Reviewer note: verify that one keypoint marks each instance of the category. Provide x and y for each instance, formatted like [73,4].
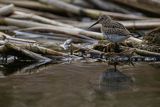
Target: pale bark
[7,10]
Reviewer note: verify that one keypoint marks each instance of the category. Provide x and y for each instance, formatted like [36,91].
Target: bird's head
[101,20]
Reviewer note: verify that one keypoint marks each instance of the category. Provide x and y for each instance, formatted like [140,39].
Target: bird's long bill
[94,24]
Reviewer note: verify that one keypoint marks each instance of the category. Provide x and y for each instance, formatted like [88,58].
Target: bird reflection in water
[114,80]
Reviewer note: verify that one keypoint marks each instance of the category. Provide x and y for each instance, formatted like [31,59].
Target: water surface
[80,85]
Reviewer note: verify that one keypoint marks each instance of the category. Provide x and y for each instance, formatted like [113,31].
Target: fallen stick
[21,15]
[147,53]
[10,39]
[30,5]
[81,3]
[17,51]
[108,6]
[40,13]
[7,10]
[152,6]
[56,36]
[41,50]
[142,24]
[8,28]
[143,52]
[87,50]
[87,12]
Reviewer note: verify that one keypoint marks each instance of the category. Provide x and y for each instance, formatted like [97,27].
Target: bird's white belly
[115,37]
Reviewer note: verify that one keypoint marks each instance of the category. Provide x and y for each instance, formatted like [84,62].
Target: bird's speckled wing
[123,32]
[114,24]
[115,34]
[153,37]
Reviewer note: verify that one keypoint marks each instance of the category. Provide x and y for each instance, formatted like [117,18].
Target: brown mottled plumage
[112,30]
[107,21]
[153,37]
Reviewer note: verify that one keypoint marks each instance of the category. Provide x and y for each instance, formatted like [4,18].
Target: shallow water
[82,85]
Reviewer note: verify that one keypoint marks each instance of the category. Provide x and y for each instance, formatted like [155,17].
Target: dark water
[82,85]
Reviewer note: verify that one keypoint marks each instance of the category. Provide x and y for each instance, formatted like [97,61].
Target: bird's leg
[115,66]
[109,62]
[129,54]
[71,49]
[110,49]
[71,53]
[101,41]
[130,57]
[116,48]
[113,49]
[107,47]
[113,62]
